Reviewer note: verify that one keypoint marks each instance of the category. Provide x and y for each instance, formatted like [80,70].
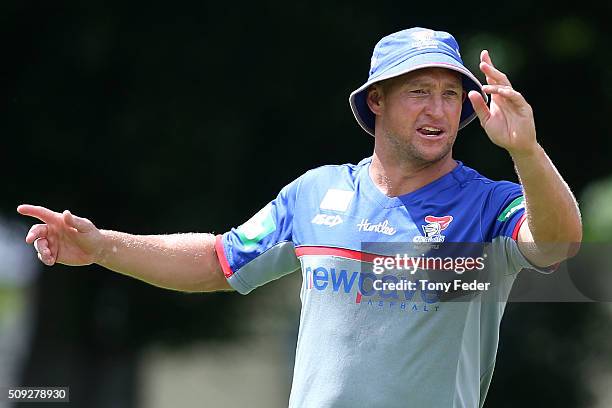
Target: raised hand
[62,238]
[509,121]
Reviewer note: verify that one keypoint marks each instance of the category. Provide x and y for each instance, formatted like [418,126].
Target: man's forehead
[432,73]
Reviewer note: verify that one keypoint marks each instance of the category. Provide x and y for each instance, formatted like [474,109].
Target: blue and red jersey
[360,346]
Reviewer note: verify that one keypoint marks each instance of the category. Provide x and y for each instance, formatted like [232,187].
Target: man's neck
[398,178]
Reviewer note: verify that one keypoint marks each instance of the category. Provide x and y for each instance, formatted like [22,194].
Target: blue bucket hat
[406,51]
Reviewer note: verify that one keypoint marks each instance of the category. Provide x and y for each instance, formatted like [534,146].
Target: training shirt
[363,347]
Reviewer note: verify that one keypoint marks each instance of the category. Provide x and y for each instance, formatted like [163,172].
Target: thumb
[480,107]
[78,223]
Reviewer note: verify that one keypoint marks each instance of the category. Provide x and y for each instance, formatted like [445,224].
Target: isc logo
[325,219]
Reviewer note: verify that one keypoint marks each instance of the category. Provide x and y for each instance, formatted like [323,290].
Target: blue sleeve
[503,212]
[261,249]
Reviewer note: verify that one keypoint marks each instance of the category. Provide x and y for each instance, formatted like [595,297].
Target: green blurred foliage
[596,207]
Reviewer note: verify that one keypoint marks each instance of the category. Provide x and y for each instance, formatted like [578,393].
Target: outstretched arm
[185,262]
[553,230]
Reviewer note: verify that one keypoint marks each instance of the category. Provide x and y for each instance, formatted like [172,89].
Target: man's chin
[430,158]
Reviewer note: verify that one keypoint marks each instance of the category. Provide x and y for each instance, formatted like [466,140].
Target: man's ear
[375,99]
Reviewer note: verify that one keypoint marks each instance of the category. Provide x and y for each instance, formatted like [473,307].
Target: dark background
[164,117]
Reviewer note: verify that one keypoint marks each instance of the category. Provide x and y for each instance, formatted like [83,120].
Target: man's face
[419,112]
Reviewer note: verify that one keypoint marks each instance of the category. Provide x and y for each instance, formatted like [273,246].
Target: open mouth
[430,131]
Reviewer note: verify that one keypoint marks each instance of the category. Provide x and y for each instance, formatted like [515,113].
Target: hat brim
[365,117]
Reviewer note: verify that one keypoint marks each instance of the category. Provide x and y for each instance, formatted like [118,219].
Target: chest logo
[336,200]
[432,231]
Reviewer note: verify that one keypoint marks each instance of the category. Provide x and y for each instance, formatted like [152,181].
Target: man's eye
[417,91]
[451,93]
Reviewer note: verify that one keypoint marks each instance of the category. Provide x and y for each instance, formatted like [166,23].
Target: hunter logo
[513,207]
[259,226]
[433,230]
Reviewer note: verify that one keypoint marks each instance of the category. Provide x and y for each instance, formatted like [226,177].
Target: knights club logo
[432,231]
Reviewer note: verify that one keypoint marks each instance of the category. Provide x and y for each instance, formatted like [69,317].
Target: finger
[78,223]
[480,107]
[44,252]
[41,245]
[507,92]
[485,57]
[37,231]
[42,213]
[46,259]
[494,75]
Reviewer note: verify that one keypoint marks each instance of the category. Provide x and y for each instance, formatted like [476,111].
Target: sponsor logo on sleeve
[513,207]
[258,227]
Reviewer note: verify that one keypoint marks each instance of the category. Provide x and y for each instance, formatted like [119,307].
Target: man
[359,345]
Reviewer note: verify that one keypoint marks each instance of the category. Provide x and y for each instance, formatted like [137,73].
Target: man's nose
[434,106]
